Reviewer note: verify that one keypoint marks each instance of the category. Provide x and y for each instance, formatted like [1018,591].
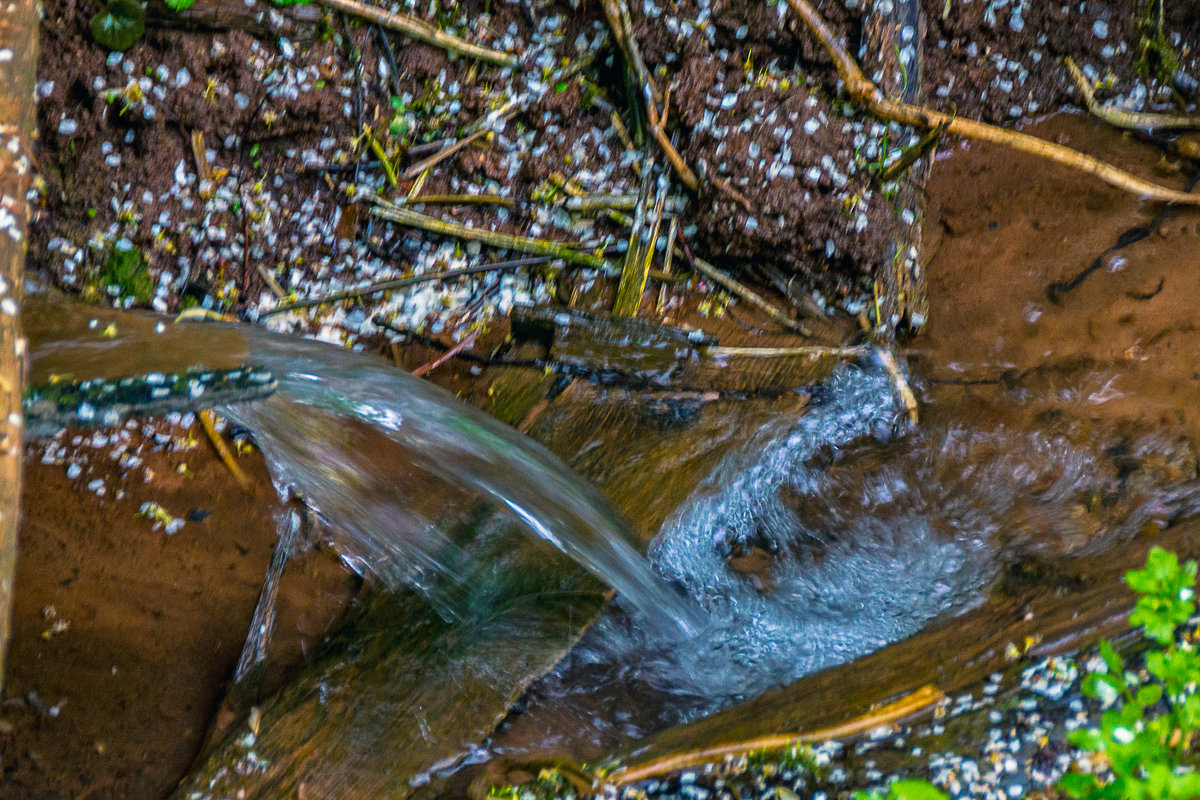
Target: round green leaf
[119,25]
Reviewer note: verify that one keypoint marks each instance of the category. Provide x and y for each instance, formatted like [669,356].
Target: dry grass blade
[863,91]
[907,706]
[422,31]
[641,248]
[1123,118]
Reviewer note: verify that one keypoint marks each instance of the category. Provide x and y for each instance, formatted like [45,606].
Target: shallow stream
[783,536]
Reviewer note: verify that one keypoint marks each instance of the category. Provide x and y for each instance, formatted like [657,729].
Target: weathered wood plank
[18,117]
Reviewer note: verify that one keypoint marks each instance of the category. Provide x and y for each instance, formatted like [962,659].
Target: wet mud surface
[125,636]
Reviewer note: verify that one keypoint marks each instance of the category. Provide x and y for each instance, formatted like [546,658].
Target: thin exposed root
[726,188]
[884,715]
[1122,118]
[863,91]
[617,14]
[422,31]
[243,480]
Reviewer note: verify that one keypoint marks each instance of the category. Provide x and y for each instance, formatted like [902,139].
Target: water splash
[829,535]
[386,458]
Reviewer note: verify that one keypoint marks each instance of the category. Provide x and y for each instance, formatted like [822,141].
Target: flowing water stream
[818,536]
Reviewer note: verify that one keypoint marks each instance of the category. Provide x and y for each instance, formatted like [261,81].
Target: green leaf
[915,790]
[1078,784]
[1087,739]
[1116,664]
[119,24]
[1149,695]
[179,5]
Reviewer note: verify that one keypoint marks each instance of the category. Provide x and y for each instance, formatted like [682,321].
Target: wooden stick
[884,715]
[460,200]
[401,283]
[243,481]
[425,369]
[866,93]
[422,31]
[617,14]
[18,117]
[812,351]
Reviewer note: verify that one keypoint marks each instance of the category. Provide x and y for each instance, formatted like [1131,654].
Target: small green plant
[125,268]
[1152,713]
[1155,59]
[906,790]
[119,24]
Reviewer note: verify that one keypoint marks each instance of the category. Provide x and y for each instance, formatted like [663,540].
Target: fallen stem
[865,92]
[522,244]
[812,351]
[426,368]
[401,283]
[617,14]
[460,200]
[422,31]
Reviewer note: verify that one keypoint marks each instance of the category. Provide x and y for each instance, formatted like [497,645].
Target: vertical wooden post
[18,117]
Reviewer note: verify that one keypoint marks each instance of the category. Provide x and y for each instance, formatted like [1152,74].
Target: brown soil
[118,702]
[751,96]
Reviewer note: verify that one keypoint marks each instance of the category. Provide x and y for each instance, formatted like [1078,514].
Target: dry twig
[206,422]
[422,31]
[522,244]
[617,14]
[746,293]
